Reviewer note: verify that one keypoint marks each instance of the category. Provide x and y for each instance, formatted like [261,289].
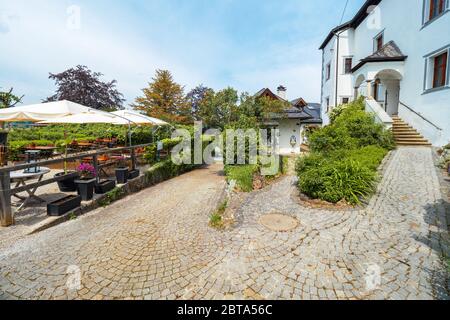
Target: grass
[243,175]
[112,196]
[216,219]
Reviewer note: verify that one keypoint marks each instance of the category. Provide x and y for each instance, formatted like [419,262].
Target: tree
[164,99]
[219,109]
[8,99]
[85,87]
[195,99]
[261,108]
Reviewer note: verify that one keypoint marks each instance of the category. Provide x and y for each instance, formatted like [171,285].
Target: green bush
[345,156]
[166,170]
[243,175]
[352,128]
[337,180]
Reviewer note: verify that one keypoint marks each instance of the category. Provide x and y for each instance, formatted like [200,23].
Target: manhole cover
[278,222]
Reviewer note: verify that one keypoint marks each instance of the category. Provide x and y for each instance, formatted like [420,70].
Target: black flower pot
[122,175]
[64,205]
[85,189]
[104,186]
[133,174]
[68,184]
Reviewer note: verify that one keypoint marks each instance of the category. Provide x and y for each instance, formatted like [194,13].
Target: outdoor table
[20,178]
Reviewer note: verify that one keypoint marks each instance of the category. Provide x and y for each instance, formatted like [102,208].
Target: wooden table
[20,178]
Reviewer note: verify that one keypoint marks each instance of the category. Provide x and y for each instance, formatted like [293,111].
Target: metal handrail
[417,113]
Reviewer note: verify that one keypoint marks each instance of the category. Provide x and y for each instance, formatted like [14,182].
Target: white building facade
[397,54]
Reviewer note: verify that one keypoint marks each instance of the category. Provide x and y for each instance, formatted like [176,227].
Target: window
[379,42]
[328,104]
[348,62]
[436,8]
[433,9]
[440,70]
[328,71]
[345,100]
[437,71]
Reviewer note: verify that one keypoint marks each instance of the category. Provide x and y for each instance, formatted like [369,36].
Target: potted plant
[122,171]
[105,186]
[86,183]
[68,184]
[133,174]
[64,205]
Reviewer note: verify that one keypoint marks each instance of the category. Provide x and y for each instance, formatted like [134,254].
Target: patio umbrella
[139,118]
[92,116]
[42,111]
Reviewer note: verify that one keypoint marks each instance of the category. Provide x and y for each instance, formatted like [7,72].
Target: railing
[421,116]
[6,215]
[381,116]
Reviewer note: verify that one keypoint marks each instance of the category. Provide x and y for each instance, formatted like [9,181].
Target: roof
[389,52]
[299,108]
[353,23]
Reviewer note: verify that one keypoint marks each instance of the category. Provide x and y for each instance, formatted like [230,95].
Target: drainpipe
[337,34]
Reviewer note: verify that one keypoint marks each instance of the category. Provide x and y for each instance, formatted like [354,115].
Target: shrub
[165,170]
[112,196]
[345,156]
[337,180]
[331,138]
[243,175]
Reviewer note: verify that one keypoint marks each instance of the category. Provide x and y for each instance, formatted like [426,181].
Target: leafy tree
[164,99]
[83,86]
[195,99]
[261,108]
[219,109]
[8,99]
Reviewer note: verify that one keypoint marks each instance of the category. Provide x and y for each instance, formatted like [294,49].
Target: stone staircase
[405,135]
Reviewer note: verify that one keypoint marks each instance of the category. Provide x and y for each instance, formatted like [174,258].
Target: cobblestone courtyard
[157,245]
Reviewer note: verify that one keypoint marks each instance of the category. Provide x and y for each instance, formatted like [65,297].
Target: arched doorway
[386,90]
[360,86]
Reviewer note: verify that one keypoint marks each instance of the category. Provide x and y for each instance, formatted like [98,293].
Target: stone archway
[387,90]
[360,86]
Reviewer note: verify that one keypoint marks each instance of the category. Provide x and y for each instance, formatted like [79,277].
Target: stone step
[405,135]
[413,144]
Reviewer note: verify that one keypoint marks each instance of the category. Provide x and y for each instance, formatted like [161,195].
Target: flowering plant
[86,171]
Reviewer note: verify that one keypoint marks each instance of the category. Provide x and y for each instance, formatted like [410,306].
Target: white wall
[289,128]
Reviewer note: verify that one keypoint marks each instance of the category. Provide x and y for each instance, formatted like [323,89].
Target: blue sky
[245,44]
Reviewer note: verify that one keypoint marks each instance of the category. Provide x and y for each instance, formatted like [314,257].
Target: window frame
[427,19]
[328,71]
[376,41]
[345,65]
[429,74]
[437,70]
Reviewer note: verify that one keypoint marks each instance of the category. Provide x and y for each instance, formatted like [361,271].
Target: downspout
[337,67]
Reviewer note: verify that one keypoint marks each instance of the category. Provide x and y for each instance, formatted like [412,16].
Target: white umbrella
[42,111]
[89,117]
[139,118]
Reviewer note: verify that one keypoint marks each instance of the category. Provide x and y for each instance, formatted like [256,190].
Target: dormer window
[378,42]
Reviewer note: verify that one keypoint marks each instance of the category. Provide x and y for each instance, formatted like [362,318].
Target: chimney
[281,92]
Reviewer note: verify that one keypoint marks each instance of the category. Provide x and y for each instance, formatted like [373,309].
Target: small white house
[293,122]
[395,53]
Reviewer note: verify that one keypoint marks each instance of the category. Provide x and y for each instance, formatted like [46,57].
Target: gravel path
[157,245]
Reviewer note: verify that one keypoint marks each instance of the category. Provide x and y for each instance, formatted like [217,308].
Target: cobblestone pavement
[157,245]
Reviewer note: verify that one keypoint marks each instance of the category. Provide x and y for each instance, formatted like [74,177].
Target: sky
[245,44]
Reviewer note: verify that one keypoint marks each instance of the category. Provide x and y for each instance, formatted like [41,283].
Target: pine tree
[164,99]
